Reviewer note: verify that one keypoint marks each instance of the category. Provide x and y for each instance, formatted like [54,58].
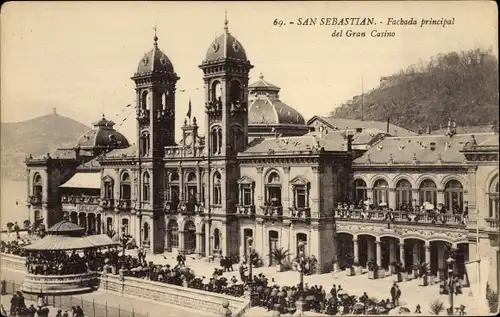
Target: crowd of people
[62,262]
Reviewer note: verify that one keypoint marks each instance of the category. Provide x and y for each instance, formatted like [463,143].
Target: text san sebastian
[308,21]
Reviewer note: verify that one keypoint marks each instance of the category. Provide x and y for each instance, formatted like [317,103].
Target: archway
[146,233]
[92,223]
[366,249]
[247,234]
[82,221]
[301,237]
[216,239]
[414,253]
[389,251]
[203,243]
[172,235]
[345,249]
[73,217]
[189,237]
[273,245]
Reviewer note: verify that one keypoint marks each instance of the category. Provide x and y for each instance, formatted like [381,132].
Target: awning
[62,243]
[84,180]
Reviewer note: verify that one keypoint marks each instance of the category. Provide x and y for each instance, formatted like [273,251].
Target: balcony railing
[123,203]
[491,224]
[107,203]
[34,200]
[302,213]
[272,211]
[401,216]
[81,199]
[248,210]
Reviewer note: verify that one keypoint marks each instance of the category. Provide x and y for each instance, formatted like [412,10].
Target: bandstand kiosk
[55,263]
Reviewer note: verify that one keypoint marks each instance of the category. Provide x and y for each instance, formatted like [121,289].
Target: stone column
[180,170]
[181,241]
[379,252]
[440,196]
[392,199]
[402,252]
[198,184]
[223,188]
[287,201]
[356,249]
[261,196]
[199,241]
[369,194]
[315,190]
[427,253]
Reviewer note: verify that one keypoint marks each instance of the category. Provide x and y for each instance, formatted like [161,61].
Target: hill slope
[462,86]
[37,136]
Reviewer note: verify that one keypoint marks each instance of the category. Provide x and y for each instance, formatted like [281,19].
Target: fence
[66,302]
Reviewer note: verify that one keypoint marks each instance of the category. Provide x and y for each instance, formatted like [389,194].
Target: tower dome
[155,61]
[225,46]
[102,138]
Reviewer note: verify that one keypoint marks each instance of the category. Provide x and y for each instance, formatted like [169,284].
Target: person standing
[398,295]
[393,294]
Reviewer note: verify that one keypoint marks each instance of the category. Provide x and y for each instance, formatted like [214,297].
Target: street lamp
[250,252]
[301,261]
[451,284]
[124,239]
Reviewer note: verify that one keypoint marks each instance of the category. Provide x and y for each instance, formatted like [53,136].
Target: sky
[78,57]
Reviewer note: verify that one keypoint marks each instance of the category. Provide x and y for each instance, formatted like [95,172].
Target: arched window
[145,100]
[108,188]
[216,91]
[403,194]
[191,190]
[37,185]
[173,190]
[164,100]
[428,192]
[360,190]
[217,189]
[453,196]
[144,143]
[216,239]
[146,232]
[273,190]
[235,92]
[381,193]
[145,187]
[216,140]
[493,199]
[125,186]
[173,234]
[235,138]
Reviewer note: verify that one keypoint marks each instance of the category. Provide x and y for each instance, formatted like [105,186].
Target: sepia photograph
[249,158]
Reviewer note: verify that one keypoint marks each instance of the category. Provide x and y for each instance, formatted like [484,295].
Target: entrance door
[247,234]
[273,245]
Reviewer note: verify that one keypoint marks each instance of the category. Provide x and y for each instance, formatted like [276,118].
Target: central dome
[102,137]
[155,61]
[226,46]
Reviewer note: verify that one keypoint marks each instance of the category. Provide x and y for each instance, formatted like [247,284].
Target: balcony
[123,203]
[107,203]
[35,200]
[170,207]
[80,199]
[491,224]
[213,108]
[302,213]
[273,212]
[181,151]
[238,107]
[444,219]
[245,211]
[143,115]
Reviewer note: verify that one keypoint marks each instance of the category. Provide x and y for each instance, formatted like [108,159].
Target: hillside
[37,136]
[461,86]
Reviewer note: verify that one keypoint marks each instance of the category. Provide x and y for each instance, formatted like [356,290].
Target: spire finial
[226,22]
[155,38]
[261,76]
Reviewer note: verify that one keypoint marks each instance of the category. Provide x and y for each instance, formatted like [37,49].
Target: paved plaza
[412,293]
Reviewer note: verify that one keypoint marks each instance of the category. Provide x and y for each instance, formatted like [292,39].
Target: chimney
[428,130]
[54,111]
[388,125]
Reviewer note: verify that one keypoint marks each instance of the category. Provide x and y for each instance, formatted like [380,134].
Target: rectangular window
[217,195]
[109,224]
[247,195]
[125,191]
[108,190]
[301,197]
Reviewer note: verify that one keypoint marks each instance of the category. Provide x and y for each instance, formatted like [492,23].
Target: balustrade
[272,211]
[401,216]
[491,224]
[246,210]
[35,199]
[180,151]
[80,199]
[123,203]
[300,213]
[107,203]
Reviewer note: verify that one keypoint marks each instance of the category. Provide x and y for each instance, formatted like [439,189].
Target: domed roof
[226,46]
[266,107]
[65,227]
[155,61]
[102,136]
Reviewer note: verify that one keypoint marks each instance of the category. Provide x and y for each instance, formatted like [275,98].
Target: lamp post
[301,263]
[451,284]
[124,240]
[250,252]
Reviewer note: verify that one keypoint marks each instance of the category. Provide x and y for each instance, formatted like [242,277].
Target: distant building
[209,194]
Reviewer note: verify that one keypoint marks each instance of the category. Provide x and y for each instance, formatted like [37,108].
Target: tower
[225,74]
[155,81]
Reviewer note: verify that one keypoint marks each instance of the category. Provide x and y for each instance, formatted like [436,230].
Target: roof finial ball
[261,77]
[155,38]
[226,22]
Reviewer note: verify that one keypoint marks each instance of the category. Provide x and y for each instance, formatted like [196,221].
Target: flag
[188,114]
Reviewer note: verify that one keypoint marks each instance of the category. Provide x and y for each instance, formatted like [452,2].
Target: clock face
[189,140]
